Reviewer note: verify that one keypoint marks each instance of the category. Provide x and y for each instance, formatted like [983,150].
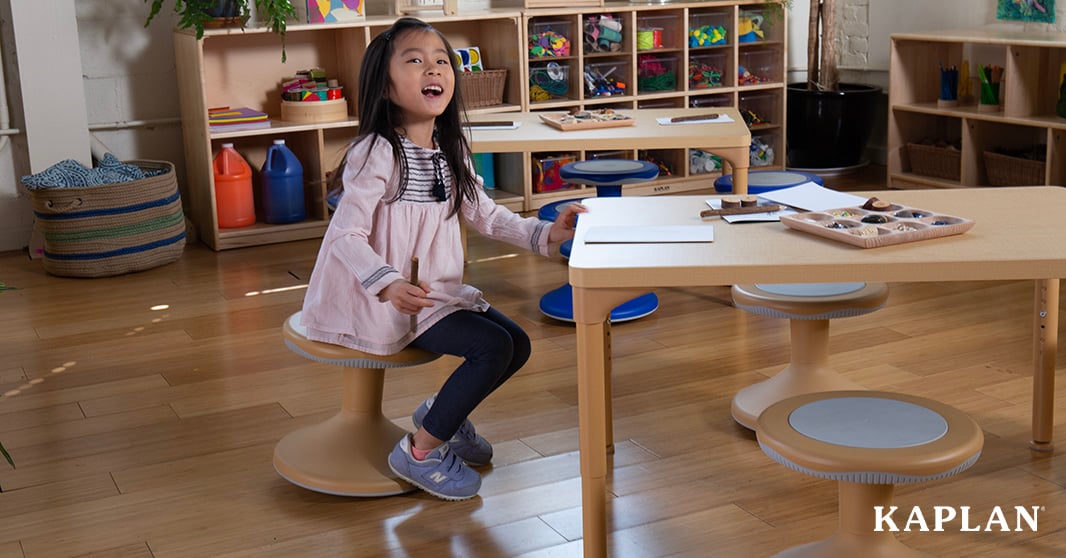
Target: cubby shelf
[1025,117]
[231,67]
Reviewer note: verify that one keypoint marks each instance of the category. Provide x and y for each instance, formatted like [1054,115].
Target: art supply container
[282,186]
[234,201]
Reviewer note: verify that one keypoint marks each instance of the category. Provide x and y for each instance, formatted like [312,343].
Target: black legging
[494,348]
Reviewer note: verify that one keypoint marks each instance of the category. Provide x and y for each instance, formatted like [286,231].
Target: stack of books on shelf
[227,119]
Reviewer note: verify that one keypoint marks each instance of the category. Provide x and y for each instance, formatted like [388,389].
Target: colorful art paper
[334,11]
[1026,10]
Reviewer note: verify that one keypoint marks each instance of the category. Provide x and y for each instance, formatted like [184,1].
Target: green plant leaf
[7,456]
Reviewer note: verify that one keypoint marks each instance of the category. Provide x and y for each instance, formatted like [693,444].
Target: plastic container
[657,32]
[282,186]
[710,28]
[707,71]
[549,81]
[549,38]
[606,79]
[656,74]
[234,201]
[546,171]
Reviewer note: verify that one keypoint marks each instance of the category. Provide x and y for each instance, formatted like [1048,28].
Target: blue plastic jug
[282,186]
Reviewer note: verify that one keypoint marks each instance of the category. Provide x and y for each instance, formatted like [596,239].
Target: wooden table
[1019,234]
[730,140]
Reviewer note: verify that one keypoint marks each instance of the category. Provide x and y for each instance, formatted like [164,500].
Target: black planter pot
[829,129]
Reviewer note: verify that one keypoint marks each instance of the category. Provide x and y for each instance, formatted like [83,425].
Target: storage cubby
[233,67]
[1024,118]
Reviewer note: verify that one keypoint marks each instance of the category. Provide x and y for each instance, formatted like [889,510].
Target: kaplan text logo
[948,516]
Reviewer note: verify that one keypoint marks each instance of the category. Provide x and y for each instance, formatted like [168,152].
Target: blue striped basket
[111,229]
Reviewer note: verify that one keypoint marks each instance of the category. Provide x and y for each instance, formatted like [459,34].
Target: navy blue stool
[767,180]
[608,176]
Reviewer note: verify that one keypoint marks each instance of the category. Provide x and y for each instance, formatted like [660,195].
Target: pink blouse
[370,243]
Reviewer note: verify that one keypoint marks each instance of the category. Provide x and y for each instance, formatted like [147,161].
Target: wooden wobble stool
[808,307]
[347,454]
[868,441]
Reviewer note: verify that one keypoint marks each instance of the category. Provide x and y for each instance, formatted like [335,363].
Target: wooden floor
[142,411]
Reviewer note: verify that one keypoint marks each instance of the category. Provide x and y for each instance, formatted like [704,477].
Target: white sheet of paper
[716,203]
[665,121]
[649,234]
[513,126]
[812,197]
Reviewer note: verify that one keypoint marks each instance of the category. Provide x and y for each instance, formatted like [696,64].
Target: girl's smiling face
[421,79]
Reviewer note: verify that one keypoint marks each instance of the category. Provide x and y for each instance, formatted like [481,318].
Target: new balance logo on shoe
[438,477]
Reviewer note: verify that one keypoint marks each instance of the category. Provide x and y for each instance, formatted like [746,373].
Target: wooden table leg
[592,308]
[739,158]
[1045,345]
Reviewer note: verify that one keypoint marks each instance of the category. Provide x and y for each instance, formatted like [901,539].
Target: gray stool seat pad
[868,422]
[811,289]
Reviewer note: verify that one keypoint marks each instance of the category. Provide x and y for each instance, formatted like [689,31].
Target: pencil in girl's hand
[414,271]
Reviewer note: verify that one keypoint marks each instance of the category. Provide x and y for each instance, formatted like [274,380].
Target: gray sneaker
[441,473]
[466,443]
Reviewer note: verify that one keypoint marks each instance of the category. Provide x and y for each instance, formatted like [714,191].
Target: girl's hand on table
[563,228]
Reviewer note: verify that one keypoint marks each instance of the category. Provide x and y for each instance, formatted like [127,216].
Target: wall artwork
[1026,10]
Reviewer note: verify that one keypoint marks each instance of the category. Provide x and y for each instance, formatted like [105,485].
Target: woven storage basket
[937,162]
[1004,170]
[484,88]
[99,231]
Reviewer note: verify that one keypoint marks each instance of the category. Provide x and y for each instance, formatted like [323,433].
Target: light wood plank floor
[142,411]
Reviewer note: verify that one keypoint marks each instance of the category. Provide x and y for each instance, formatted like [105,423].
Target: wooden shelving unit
[230,67]
[1026,116]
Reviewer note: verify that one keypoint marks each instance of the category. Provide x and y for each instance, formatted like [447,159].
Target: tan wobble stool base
[808,307]
[346,455]
[868,441]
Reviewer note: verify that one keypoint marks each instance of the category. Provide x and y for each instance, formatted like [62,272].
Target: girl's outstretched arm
[563,227]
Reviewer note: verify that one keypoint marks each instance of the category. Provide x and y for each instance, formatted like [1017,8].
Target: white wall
[130,92]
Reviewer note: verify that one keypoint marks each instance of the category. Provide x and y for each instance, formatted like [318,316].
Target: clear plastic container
[549,38]
[758,66]
[546,168]
[710,28]
[707,71]
[656,74]
[549,81]
[657,32]
[760,110]
[606,79]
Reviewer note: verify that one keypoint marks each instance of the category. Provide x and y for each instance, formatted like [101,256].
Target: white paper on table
[665,121]
[648,234]
[716,203]
[475,126]
[812,197]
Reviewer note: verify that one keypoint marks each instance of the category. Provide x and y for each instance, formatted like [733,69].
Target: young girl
[407,180]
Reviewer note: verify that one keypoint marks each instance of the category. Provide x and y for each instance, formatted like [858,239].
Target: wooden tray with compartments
[867,227]
[587,119]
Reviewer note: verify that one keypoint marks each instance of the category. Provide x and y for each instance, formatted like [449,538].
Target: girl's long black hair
[378,115]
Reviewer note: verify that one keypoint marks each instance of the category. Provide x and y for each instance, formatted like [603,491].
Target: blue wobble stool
[608,176]
[767,180]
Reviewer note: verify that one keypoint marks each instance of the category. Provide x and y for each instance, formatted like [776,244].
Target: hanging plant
[200,14]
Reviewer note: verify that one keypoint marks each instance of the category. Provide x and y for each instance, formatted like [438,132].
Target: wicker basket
[484,88]
[937,162]
[111,229]
[1004,170]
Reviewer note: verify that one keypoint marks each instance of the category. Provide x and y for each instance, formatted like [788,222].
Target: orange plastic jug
[234,201]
